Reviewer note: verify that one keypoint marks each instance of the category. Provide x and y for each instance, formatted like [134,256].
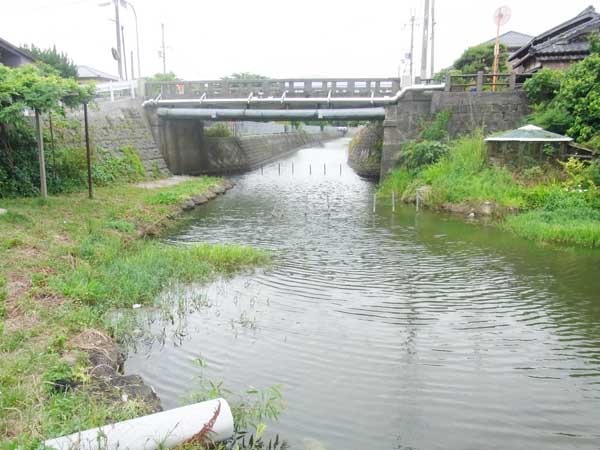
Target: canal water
[384,330]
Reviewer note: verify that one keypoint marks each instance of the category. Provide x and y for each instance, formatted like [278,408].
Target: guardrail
[480,81]
[117,89]
[272,88]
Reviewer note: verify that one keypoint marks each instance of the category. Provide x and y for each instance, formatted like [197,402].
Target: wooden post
[448,84]
[479,81]
[512,80]
[42,159]
[88,153]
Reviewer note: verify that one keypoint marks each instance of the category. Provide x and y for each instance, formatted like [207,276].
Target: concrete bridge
[177,110]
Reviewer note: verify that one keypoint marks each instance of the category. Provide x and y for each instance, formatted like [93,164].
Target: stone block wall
[364,152]
[491,111]
[114,125]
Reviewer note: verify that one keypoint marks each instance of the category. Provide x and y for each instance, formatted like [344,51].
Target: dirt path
[166,182]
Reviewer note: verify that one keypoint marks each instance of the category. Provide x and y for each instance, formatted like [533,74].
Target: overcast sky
[209,39]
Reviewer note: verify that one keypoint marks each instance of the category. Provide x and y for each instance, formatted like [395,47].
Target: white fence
[117,90]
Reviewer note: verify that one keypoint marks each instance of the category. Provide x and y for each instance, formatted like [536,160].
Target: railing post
[112,93]
[479,81]
[132,88]
[513,81]
[448,83]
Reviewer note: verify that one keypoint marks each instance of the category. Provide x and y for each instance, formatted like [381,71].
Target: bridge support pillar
[181,143]
[402,123]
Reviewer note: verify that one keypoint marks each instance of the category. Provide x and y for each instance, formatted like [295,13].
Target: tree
[65,67]
[245,76]
[481,58]
[169,76]
[23,88]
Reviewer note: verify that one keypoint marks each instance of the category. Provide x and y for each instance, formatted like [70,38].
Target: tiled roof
[90,72]
[14,49]
[512,39]
[579,24]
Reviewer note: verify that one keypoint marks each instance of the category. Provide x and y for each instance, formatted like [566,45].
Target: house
[12,56]
[512,40]
[87,74]
[558,47]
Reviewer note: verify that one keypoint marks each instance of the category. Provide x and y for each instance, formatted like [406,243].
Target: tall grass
[139,273]
[553,211]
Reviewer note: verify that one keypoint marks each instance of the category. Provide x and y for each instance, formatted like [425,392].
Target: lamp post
[125,4]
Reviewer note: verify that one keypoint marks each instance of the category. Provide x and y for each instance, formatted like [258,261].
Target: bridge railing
[481,81]
[276,88]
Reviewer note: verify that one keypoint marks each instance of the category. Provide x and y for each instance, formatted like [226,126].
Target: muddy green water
[385,331]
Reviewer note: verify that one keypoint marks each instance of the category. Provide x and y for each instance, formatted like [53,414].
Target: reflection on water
[385,330]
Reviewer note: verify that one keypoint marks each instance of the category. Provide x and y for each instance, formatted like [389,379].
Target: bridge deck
[274,88]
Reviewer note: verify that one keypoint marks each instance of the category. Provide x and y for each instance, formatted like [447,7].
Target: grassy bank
[66,262]
[558,204]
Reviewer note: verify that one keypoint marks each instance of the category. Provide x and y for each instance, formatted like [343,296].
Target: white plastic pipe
[167,428]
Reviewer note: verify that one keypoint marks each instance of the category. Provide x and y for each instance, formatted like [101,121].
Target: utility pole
[124,57]
[412,47]
[432,38]
[118,26]
[164,54]
[425,41]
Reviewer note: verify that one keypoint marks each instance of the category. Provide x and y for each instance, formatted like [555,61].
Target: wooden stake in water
[374,202]
[393,201]
[324,169]
[417,198]
[279,168]
[292,168]
[310,169]
[340,168]
[261,170]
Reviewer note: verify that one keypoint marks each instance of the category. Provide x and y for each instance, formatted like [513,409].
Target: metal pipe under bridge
[353,105]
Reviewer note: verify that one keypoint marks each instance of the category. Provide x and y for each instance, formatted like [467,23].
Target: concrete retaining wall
[240,154]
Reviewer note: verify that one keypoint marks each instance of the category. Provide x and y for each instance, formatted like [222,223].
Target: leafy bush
[544,85]
[418,154]
[481,58]
[217,130]
[437,130]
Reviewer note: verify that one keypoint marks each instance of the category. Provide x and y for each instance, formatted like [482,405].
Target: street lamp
[124,4]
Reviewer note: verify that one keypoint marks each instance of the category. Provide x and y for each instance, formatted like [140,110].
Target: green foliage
[28,87]
[169,76]
[217,130]
[594,40]
[481,58]
[116,277]
[67,170]
[418,154]
[437,129]
[575,108]
[544,85]
[61,62]
[245,76]
[180,192]
[569,225]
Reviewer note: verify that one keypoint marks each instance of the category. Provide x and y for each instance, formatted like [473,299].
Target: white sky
[328,38]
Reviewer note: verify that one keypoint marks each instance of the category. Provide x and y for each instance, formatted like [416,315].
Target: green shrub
[419,154]
[544,85]
[437,130]
[217,130]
